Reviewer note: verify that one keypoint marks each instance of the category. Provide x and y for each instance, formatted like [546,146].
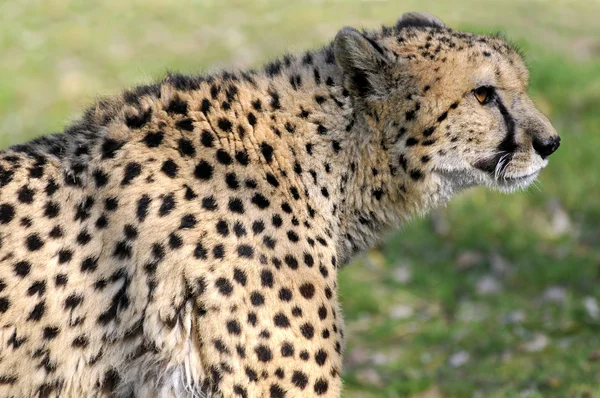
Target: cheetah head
[450,105]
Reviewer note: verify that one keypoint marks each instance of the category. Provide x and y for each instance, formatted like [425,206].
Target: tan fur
[184,239]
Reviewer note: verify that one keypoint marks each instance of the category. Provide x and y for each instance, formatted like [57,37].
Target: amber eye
[484,94]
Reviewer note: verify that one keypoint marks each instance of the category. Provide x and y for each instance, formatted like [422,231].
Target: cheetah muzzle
[184,238]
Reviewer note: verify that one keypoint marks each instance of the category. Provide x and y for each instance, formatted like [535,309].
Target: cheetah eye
[484,94]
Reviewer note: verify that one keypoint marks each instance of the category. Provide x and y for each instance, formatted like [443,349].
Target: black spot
[122,250]
[61,280]
[139,120]
[22,268]
[111,380]
[281,321]
[90,264]
[320,357]
[51,209]
[223,157]
[416,175]
[285,294]
[233,327]
[200,252]
[251,119]
[263,353]
[203,170]
[378,193]
[307,290]
[240,276]
[275,104]
[307,330]
[286,208]
[219,251]
[222,228]
[231,180]
[242,157]
[209,203]
[38,312]
[205,106]
[4,306]
[51,188]
[322,312]
[267,151]
[142,207]
[291,261]
[235,205]
[272,180]
[50,332]
[175,241]
[207,138]
[186,147]
[188,221]
[260,201]
[442,117]
[429,131]
[7,213]
[245,251]
[273,68]
[153,139]
[167,205]
[224,124]
[336,146]
[308,260]
[299,379]
[238,229]
[266,278]
[132,170]
[252,376]
[177,105]
[170,168]
[257,299]
[321,386]
[186,124]
[34,242]
[64,256]
[224,286]
[25,195]
[411,141]
[189,193]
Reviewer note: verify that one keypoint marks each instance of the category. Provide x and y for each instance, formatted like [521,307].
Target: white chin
[512,184]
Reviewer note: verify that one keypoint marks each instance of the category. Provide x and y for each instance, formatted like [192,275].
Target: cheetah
[183,238]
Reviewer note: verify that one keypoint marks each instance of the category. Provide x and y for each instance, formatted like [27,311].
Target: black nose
[546,147]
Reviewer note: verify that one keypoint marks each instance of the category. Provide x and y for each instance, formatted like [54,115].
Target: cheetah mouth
[518,179]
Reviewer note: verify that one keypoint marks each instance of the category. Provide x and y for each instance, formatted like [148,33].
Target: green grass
[491,297]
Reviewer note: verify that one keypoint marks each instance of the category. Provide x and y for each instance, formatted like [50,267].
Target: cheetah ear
[362,61]
[419,19]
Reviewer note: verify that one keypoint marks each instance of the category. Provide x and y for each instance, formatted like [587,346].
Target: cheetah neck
[352,177]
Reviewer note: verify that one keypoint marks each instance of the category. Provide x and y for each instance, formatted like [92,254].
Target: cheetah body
[184,238]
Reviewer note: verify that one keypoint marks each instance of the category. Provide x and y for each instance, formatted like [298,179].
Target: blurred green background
[493,296]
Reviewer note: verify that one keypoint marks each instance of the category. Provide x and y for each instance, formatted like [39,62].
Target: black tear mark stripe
[508,144]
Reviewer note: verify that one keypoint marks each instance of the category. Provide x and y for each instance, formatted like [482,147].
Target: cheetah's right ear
[362,61]
[419,19]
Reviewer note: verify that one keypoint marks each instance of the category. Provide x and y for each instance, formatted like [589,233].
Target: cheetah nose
[546,147]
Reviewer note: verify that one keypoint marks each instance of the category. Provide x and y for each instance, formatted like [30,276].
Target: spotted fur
[184,238]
